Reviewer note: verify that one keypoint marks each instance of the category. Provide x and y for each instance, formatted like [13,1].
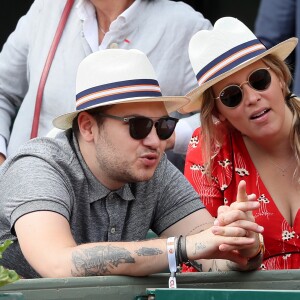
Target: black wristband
[183,252]
[179,261]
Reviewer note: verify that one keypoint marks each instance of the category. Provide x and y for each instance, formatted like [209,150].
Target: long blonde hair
[212,138]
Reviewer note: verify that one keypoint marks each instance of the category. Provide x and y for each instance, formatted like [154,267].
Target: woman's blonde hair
[212,135]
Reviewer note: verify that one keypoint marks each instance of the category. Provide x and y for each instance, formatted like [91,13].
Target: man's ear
[87,125]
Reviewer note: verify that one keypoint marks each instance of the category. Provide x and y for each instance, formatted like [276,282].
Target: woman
[250,131]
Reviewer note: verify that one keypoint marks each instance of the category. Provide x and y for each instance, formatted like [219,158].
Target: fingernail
[216,222]
[260,228]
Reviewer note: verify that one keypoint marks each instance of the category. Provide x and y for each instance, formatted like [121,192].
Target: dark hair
[93,112]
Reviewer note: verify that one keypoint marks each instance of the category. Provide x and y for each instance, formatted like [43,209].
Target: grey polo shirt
[50,174]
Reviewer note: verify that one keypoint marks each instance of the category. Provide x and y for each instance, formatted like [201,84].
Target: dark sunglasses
[140,127]
[232,95]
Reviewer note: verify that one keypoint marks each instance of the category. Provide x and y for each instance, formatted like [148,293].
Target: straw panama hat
[227,48]
[116,76]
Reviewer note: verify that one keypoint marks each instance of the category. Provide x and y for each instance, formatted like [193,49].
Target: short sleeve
[32,184]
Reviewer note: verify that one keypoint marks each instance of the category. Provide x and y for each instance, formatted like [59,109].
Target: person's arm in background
[184,131]
[181,137]
[2,149]
[275,21]
[188,123]
[13,69]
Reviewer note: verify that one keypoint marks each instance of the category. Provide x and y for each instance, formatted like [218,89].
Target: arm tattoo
[148,251]
[232,266]
[198,247]
[214,267]
[98,260]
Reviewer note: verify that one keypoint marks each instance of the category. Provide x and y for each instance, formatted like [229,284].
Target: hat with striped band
[227,48]
[116,76]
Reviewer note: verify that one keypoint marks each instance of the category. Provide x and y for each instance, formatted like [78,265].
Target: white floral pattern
[194,142]
[286,235]
[262,198]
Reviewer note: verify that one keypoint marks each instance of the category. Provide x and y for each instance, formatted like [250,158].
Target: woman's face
[260,114]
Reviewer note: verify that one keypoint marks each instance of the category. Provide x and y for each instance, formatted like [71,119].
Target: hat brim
[172,103]
[281,50]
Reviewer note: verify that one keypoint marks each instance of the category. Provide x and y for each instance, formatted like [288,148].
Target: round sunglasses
[140,127]
[232,95]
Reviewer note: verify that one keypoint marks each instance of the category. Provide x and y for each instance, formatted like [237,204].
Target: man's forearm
[126,258]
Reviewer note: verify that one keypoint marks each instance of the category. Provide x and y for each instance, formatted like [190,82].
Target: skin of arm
[2,159]
[61,256]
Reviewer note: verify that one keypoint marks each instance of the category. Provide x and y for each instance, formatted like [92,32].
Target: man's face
[121,158]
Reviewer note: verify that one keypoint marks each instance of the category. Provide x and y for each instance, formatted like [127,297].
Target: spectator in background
[161,29]
[277,21]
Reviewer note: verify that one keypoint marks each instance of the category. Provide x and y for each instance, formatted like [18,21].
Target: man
[81,203]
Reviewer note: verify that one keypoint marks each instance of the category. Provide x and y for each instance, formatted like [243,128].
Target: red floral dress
[232,164]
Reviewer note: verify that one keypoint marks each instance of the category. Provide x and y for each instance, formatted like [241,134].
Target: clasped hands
[234,235]
[237,221]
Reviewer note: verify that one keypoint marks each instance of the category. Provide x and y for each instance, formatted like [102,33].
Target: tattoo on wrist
[199,247]
[99,260]
[148,251]
[232,266]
